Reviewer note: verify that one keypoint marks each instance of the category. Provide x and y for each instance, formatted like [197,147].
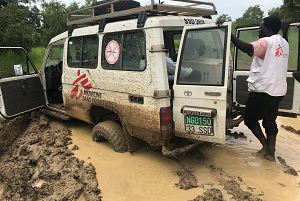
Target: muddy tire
[113,133]
[122,5]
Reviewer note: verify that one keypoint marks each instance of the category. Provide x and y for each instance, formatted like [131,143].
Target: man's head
[269,26]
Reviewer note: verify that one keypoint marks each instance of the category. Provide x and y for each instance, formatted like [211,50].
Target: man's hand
[285,25]
[219,22]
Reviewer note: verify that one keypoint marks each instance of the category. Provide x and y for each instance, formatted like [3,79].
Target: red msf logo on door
[74,92]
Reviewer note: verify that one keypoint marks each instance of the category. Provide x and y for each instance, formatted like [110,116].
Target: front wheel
[113,133]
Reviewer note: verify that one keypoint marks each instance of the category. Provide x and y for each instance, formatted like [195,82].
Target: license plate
[199,125]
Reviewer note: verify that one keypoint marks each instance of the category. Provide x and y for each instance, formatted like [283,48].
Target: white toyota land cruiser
[111,72]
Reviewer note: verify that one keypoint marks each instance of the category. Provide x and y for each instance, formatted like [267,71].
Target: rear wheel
[113,133]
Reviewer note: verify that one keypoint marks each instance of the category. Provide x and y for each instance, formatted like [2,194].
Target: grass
[37,56]
[16,56]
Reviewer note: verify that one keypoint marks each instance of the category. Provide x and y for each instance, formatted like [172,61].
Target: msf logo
[80,80]
[279,51]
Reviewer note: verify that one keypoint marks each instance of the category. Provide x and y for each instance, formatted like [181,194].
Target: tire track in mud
[39,166]
[231,184]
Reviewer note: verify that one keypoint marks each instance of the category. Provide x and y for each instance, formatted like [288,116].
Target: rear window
[203,57]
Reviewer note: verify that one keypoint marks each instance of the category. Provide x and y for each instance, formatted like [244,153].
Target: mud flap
[134,144]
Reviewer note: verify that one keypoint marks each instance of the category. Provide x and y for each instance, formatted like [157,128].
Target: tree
[15,29]
[291,10]
[88,3]
[275,12]
[33,13]
[225,17]
[54,18]
[253,15]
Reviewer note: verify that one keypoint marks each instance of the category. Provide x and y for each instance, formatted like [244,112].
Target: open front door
[201,78]
[289,106]
[20,84]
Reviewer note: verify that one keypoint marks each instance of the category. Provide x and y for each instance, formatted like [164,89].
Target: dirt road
[233,168]
[39,165]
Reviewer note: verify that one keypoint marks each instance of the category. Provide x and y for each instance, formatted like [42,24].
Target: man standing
[267,80]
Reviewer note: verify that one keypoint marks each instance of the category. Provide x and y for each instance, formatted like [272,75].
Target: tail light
[166,121]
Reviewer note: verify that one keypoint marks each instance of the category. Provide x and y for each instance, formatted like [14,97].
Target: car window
[202,59]
[55,55]
[83,52]
[124,51]
[243,61]
[14,62]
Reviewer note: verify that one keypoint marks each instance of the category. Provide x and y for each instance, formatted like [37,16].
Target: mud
[236,135]
[232,186]
[291,129]
[39,166]
[11,129]
[187,179]
[288,169]
[213,194]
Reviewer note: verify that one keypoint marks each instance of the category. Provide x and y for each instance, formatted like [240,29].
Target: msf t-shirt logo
[279,51]
[84,82]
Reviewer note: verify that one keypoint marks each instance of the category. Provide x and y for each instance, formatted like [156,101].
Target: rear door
[20,83]
[289,106]
[201,79]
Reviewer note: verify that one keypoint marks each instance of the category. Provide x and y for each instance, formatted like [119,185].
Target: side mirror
[18,69]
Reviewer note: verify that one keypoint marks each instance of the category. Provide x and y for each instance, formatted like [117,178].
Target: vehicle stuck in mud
[112,73]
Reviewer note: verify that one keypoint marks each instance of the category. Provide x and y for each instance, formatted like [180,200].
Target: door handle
[23,90]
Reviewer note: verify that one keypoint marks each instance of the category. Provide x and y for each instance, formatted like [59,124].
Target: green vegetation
[37,56]
[17,56]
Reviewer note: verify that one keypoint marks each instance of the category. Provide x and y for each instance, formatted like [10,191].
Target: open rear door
[200,87]
[289,106]
[20,83]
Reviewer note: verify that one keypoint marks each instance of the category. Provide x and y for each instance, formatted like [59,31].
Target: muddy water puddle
[147,175]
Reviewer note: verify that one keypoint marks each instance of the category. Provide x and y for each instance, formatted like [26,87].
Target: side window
[55,55]
[124,51]
[202,60]
[244,61]
[293,38]
[14,62]
[83,52]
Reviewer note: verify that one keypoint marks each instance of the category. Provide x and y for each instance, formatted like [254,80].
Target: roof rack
[189,9]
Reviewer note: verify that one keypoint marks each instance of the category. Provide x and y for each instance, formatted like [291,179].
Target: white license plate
[199,125]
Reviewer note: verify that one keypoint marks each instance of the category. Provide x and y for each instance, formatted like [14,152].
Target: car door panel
[200,98]
[242,62]
[20,91]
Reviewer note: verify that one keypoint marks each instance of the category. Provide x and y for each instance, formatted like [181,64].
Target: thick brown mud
[211,172]
[291,129]
[38,165]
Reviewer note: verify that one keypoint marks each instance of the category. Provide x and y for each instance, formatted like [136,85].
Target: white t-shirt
[268,71]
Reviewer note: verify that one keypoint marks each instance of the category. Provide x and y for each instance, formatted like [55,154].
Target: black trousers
[262,106]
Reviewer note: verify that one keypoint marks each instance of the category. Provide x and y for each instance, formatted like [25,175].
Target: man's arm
[243,46]
[285,24]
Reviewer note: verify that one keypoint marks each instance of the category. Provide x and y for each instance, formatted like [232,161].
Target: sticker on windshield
[112,52]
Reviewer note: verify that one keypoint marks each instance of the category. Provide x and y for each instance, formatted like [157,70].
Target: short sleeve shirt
[260,48]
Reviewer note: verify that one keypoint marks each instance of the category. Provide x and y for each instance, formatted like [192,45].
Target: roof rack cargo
[190,9]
